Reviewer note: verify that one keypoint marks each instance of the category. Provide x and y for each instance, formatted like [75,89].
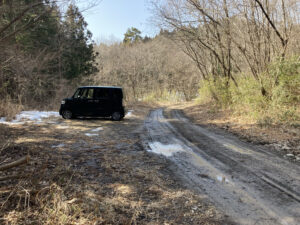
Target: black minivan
[94,101]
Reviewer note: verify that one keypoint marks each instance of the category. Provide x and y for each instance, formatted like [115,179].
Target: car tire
[116,116]
[67,114]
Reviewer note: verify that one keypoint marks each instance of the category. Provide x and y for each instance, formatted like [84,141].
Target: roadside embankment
[283,138]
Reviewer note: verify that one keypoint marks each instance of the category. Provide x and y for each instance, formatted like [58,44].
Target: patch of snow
[290,155]
[58,146]
[90,135]
[222,179]
[35,115]
[97,129]
[129,113]
[26,116]
[166,150]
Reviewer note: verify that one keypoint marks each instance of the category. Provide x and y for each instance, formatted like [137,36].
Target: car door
[102,101]
[87,102]
[77,106]
[83,102]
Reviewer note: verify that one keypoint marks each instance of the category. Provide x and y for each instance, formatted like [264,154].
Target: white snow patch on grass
[166,150]
[90,135]
[97,129]
[28,116]
[129,113]
[35,115]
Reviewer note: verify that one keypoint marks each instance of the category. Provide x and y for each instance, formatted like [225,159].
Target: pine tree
[78,55]
[132,35]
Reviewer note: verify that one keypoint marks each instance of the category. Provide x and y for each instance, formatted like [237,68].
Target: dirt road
[250,184]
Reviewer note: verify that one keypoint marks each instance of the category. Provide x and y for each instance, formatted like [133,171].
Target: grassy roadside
[105,179]
[282,137]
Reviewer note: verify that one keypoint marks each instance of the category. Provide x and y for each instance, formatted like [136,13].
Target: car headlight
[63,102]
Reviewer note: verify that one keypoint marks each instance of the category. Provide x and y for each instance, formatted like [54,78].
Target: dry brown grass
[105,180]
[9,109]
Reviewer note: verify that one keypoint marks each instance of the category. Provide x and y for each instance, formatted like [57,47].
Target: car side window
[84,93]
[87,93]
[101,93]
[90,94]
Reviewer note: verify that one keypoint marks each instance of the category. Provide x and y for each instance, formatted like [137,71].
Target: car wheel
[116,116]
[67,114]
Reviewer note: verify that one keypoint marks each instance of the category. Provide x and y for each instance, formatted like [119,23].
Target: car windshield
[76,94]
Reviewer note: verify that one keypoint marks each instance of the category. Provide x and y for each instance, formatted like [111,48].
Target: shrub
[286,76]
[281,104]
[9,109]
[217,90]
[164,96]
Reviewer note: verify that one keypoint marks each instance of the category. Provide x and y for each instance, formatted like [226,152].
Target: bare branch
[283,41]
[19,162]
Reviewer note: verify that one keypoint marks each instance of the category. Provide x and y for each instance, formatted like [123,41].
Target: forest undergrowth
[280,104]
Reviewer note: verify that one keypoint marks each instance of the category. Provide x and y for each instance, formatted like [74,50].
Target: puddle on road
[90,134]
[222,179]
[166,150]
[58,146]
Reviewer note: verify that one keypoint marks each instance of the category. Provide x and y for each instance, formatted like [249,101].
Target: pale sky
[111,18]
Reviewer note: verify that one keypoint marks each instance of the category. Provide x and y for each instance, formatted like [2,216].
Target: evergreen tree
[43,33]
[132,35]
[78,55]
[39,47]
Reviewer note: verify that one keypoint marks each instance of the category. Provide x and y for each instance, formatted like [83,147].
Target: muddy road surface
[250,184]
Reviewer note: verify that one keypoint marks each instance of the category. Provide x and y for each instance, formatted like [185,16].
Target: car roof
[100,87]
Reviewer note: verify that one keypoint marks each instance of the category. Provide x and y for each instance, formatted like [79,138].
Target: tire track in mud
[259,162]
[249,184]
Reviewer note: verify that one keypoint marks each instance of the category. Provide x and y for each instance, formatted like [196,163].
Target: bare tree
[151,68]
[225,37]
